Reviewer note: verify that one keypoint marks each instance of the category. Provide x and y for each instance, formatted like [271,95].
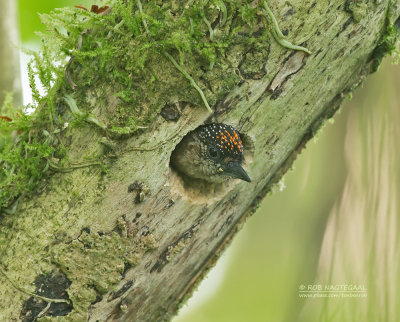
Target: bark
[131,245]
[10,80]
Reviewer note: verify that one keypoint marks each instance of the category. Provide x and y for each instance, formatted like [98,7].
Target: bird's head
[221,153]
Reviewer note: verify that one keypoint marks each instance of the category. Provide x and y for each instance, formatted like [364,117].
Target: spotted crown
[223,137]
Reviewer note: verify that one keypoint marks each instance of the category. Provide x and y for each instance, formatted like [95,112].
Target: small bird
[212,152]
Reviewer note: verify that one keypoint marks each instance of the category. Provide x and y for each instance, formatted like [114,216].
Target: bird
[212,152]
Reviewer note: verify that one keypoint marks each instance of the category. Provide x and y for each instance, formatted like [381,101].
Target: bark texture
[132,244]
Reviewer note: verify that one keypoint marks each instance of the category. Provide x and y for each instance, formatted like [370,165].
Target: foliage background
[284,245]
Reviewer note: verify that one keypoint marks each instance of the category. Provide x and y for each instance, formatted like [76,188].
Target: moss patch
[109,64]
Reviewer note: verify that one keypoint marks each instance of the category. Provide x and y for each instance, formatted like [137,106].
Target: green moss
[118,70]
[24,149]
[124,48]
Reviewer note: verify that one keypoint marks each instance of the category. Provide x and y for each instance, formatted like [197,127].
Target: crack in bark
[175,247]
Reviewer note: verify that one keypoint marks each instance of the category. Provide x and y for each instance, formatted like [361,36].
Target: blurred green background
[29,15]
[335,222]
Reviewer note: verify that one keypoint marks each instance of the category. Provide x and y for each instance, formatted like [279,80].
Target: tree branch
[133,242]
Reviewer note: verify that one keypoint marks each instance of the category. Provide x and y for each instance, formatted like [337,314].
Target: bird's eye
[213,153]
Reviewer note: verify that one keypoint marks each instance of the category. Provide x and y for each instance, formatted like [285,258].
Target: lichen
[94,263]
[357,9]
[388,44]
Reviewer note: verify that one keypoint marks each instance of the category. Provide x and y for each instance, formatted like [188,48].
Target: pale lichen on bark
[130,258]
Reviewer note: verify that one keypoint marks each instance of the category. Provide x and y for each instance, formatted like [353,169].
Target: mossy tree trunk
[131,244]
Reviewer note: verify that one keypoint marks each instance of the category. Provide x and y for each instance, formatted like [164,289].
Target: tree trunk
[10,80]
[132,244]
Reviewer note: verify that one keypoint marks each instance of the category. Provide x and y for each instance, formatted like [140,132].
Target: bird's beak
[234,169]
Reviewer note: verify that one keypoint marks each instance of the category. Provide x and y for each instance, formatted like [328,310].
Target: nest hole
[200,191]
